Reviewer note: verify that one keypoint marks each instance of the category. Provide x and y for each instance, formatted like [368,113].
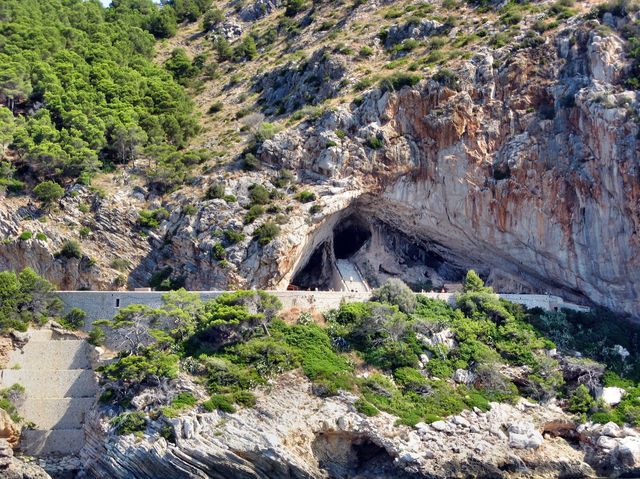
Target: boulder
[627,453]
[464,376]
[441,426]
[610,395]
[9,430]
[13,468]
[524,435]
[606,442]
[611,429]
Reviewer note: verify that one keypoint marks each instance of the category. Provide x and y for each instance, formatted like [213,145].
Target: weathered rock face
[524,166]
[111,235]
[258,9]
[13,468]
[526,170]
[9,431]
[293,86]
[293,434]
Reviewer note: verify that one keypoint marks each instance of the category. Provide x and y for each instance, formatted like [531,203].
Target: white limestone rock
[524,435]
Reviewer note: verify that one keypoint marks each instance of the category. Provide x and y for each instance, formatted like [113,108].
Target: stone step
[56,413]
[35,442]
[43,383]
[63,354]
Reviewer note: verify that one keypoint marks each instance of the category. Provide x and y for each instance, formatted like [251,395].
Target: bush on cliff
[129,423]
[26,298]
[150,367]
[234,343]
[395,291]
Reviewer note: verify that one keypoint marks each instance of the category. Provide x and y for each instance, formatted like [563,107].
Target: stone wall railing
[105,304]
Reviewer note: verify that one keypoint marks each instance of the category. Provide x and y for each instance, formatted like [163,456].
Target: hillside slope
[444,135]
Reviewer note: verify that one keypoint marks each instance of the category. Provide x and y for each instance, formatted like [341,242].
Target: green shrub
[218,252]
[233,237]
[25,235]
[41,236]
[74,319]
[397,81]
[129,423]
[411,379]
[259,194]
[395,291]
[215,191]
[212,17]
[244,398]
[84,232]
[135,369]
[293,7]
[48,192]
[603,417]
[511,18]
[164,280]
[580,400]
[306,196]
[189,210]
[319,360]
[474,284]
[366,408]
[183,400]
[151,218]
[366,51]
[266,232]
[215,107]
[97,336]
[375,143]
[120,264]
[440,368]
[246,49]
[9,397]
[254,212]
[70,249]
[219,402]
[447,78]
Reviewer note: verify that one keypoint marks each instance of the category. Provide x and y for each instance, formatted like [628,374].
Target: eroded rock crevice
[345,455]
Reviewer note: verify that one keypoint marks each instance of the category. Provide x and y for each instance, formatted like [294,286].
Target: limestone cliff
[292,433]
[524,167]
[520,161]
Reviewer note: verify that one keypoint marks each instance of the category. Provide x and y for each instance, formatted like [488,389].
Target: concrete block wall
[105,304]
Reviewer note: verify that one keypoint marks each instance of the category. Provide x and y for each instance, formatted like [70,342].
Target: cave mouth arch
[350,235]
[347,236]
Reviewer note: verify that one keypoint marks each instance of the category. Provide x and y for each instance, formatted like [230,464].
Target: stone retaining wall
[105,304]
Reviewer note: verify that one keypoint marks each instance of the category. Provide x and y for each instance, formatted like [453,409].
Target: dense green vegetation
[25,298]
[413,345]
[81,92]
[9,397]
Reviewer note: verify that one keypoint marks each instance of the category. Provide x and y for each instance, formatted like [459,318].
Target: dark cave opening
[317,272]
[368,452]
[351,456]
[349,236]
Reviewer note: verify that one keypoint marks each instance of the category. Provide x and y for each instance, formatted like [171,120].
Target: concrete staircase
[60,389]
[351,277]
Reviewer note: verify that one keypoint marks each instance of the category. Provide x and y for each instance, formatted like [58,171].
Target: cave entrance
[318,272]
[349,236]
[346,238]
[352,456]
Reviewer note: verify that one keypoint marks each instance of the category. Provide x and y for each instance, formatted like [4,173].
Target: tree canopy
[82,89]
